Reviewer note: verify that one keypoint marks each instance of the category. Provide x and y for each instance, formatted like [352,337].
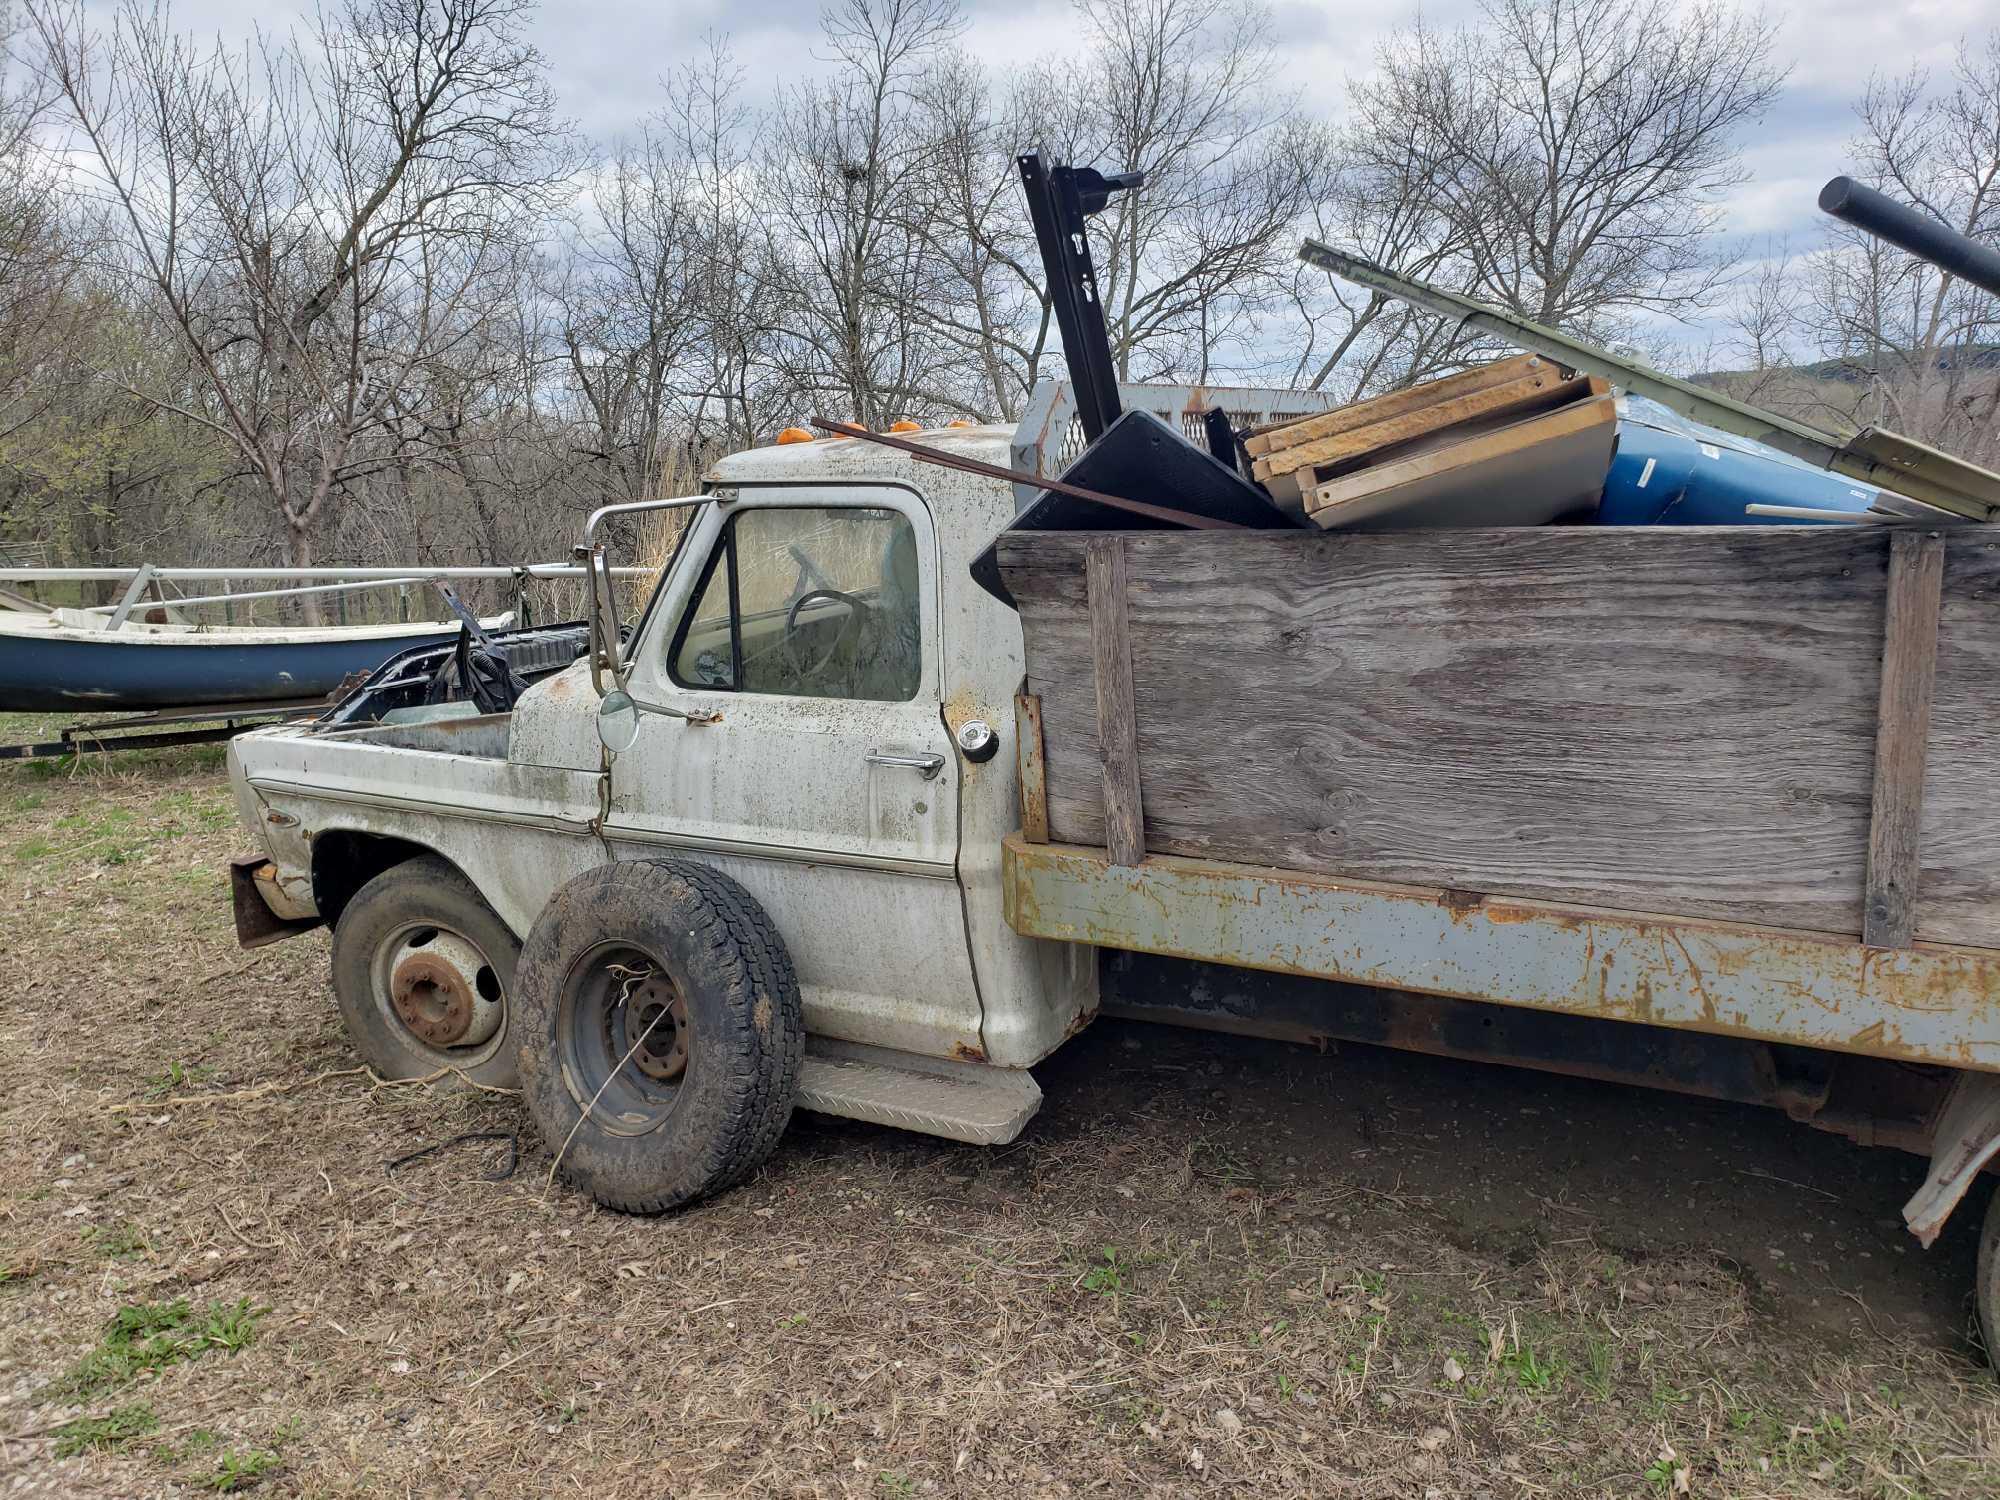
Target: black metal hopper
[1139,458]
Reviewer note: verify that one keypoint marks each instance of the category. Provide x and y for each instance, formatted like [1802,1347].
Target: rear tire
[423,971]
[660,1033]
[1986,1282]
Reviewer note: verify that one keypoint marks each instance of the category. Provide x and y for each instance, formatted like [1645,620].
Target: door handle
[928,765]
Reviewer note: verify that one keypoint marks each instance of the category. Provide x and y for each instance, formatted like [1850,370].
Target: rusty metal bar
[1192,520]
[1926,1003]
[1031,768]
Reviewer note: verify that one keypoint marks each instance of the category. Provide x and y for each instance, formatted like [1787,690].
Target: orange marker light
[958,422]
[795,435]
[906,425]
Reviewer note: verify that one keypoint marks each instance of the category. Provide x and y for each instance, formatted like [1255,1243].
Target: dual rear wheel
[651,1020]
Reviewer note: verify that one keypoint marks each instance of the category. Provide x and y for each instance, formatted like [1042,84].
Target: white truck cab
[820,716]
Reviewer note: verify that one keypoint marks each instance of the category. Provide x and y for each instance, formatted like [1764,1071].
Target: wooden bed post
[1117,715]
[1902,736]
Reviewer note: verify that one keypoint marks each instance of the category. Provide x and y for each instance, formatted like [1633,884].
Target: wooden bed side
[1681,722]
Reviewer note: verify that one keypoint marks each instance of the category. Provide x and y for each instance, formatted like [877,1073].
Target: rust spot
[1503,915]
[959,707]
[1459,903]
[961,1052]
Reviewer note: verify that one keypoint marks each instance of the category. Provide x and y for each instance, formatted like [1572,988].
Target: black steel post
[1906,229]
[1059,200]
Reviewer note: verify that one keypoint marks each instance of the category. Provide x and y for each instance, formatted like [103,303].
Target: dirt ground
[1210,1265]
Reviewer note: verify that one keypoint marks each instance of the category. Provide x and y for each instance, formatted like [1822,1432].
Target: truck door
[807,620]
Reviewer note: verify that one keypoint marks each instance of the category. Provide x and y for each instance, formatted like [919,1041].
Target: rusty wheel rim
[654,1027]
[438,989]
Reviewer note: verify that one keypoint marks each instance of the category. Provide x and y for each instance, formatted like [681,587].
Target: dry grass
[1209,1267]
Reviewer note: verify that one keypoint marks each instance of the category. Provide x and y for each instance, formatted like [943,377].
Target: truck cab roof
[847,460]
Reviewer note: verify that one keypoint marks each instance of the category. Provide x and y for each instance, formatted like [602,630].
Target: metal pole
[320,588]
[1906,229]
[296,575]
[133,590]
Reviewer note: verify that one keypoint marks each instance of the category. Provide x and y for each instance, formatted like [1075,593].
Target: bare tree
[629,312]
[714,134]
[966,213]
[1908,345]
[1580,149]
[840,159]
[315,220]
[1181,89]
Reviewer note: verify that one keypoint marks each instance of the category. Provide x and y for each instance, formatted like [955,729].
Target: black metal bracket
[1060,198]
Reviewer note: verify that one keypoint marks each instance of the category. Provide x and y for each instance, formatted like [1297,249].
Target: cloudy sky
[609,55]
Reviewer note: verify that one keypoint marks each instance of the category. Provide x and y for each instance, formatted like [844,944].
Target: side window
[812,602]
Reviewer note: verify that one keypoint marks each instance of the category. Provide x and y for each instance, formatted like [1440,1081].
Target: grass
[117,1242]
[1105,1276]
[177,1076]
[112,1430]
[146,1338]
[238,1470]
[1193,1226]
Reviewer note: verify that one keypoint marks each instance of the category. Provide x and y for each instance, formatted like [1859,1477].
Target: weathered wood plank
[1490,407]
[1028,765]
[1395,403]
[1524,474]
[1117,717]
[1960,845]
[1902,735]
[1670,721]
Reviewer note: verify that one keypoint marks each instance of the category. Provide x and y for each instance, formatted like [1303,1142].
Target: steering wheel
[858,611]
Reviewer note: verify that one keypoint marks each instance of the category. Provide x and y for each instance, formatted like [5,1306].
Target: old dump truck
[834,828]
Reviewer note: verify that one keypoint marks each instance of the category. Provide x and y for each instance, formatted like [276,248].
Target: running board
[971,1102]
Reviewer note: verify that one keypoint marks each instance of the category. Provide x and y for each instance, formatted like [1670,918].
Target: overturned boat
[151,656]
[75,661]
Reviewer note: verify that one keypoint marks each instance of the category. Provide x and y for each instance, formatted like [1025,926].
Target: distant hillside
[1848,372]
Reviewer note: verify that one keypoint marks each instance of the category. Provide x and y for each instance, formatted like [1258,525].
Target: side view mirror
[617,721]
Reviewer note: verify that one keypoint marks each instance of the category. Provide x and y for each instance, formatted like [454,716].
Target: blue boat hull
[1670,471]
[67,674]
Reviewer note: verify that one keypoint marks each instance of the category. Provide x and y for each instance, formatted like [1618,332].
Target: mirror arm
[603,648]
[602,610]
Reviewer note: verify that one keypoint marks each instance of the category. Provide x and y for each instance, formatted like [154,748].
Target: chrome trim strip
[555,823]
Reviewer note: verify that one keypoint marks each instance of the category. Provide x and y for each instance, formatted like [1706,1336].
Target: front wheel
[660,1033]
[422,971]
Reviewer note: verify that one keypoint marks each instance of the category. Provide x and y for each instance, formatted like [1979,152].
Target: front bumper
[264,914]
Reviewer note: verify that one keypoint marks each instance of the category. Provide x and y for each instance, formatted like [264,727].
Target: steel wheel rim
[624,1039]
[437,990]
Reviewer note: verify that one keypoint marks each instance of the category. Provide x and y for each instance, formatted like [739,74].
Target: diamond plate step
[969,1102]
